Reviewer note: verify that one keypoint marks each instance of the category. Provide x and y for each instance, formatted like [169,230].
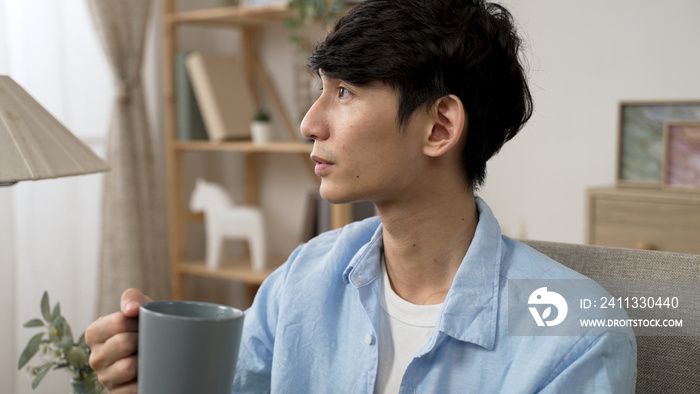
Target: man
[417,96]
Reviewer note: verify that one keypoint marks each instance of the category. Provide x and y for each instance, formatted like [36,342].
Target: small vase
[82,387]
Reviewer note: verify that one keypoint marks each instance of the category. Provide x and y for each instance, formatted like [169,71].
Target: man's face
[359,149]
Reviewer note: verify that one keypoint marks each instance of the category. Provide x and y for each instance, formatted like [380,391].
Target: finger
[131,301]
[121,375]
[108,326]
[127,388]
[118,347]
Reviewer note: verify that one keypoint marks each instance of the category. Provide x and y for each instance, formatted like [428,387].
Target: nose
[314,124]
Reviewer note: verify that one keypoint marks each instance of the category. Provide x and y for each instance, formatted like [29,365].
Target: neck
[425,240]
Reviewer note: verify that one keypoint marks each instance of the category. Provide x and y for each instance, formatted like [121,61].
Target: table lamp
[35,145]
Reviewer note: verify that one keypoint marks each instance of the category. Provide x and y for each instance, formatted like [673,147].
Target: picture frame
[681,165]
[640,138]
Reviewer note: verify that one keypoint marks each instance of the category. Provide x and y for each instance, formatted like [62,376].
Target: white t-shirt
[404,328]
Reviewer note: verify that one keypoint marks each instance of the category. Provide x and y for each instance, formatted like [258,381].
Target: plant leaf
[56,311]
[59,326]
[60,333]
[53,338]
[82,344]
[45,307]
[30,350]
[34,323]
[67,339]
[43,370]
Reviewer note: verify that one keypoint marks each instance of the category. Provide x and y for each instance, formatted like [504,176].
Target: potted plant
[56,349]
[260,127]
[305,13]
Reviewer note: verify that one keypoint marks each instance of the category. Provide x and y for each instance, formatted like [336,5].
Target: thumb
[131,301]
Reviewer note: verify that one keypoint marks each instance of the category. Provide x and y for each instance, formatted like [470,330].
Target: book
[223,96]
[190,125]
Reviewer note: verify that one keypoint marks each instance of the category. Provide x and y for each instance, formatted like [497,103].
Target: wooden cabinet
[248,21]
[644,218]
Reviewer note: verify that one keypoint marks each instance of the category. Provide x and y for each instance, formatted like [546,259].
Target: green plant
[306,12]
[261,116]
[56,348]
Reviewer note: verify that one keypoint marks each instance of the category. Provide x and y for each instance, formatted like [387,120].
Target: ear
[449,120]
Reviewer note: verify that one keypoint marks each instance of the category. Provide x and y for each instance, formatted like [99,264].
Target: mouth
[322,165]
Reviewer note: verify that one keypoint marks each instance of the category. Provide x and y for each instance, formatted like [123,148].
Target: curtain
[134,248]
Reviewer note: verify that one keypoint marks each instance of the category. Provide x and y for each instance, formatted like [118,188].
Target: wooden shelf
[245,146]
[239,16]
[237,269]
[249,21]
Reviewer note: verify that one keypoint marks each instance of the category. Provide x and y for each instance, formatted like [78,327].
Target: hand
[113,341]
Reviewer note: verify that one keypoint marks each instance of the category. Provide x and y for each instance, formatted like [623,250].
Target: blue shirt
[313,325]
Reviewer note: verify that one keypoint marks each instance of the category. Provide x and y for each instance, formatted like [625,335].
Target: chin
[338,195]
[335,198]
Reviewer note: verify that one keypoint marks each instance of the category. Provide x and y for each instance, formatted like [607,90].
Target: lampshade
[35,145]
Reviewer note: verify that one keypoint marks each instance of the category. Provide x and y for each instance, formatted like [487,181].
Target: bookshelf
[248,20]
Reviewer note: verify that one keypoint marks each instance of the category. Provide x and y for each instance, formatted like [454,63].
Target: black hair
[426,49]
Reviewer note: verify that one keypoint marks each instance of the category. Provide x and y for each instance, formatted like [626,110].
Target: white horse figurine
[223,219]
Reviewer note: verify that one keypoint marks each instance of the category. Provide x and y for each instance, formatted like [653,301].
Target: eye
[343,92]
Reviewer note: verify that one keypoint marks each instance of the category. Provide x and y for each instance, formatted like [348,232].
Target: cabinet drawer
[663,225]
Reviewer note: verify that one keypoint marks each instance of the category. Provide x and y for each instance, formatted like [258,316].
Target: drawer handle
[645,245]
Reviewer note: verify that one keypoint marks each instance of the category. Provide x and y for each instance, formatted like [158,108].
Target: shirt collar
[470,310]
[365,266]
[471,306]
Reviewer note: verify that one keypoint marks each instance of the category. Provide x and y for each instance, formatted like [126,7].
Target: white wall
[584,57]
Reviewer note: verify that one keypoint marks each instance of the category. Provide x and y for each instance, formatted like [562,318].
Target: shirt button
[368,339]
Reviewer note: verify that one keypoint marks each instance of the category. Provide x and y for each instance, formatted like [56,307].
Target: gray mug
[187,347]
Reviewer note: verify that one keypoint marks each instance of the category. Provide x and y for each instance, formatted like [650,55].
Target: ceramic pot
[261,132]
